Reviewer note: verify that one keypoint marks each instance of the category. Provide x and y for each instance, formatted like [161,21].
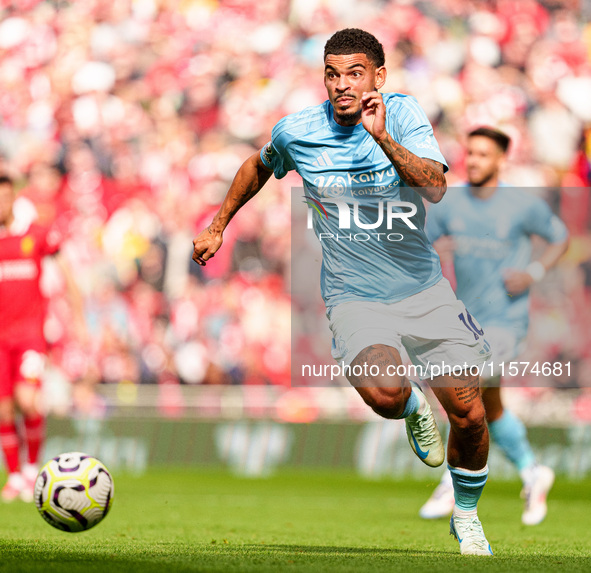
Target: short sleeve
[541,221]
[415,132]
[274,156]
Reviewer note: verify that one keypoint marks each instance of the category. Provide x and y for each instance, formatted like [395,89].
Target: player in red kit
[23,245]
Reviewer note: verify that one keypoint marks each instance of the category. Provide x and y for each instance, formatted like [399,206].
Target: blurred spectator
[129,119]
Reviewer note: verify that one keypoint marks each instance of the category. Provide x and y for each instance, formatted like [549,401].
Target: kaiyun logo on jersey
[349,216]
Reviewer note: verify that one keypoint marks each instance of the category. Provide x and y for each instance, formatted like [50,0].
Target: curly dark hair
[355,41]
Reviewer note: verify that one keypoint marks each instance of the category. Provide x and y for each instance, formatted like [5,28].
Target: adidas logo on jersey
[322,160]
[427,144]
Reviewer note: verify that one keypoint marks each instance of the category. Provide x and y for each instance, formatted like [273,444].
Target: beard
[347,117]
[482,179]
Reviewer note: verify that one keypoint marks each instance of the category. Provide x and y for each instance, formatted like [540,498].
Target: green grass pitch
[181,520]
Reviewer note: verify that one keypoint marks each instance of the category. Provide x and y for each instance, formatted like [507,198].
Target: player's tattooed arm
[425,175]
[248,181]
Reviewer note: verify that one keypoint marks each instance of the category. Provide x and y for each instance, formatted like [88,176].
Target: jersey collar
[344,129]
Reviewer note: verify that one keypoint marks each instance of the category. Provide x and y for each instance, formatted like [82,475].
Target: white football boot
[468,531]
[422,432]
[535,494]
[13,487]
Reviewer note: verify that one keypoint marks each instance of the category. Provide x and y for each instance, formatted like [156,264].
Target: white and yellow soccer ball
[73,491]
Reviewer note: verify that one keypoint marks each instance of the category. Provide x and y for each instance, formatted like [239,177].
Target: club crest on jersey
[27,245]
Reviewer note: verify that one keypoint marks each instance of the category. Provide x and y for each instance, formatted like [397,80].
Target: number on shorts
[471,325]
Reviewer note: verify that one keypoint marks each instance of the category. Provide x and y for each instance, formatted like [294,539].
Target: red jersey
[22,306]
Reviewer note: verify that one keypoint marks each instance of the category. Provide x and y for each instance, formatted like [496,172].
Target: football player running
[487,228]
[383,295]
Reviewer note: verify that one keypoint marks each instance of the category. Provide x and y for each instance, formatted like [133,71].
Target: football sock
[468,485]
[10,446]
[528,473]
[34,434]
[446,479]
[509,433]
[413,403]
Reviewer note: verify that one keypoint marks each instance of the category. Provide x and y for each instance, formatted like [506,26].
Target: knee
[6,411]
[387,402]
[470,420]
[27,404]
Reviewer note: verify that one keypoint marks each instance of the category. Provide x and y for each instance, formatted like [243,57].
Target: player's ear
[380,77]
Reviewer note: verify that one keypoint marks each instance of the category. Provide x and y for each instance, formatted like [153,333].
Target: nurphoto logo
[381,216]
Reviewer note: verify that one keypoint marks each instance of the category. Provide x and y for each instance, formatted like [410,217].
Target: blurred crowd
[124,123]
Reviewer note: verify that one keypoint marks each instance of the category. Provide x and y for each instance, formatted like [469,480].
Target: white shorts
[433,326]
[506,345]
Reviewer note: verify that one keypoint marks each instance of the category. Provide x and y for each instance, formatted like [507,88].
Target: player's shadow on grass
[338,550]
[551,562]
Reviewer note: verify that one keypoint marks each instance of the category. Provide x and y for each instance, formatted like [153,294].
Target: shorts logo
[340,346]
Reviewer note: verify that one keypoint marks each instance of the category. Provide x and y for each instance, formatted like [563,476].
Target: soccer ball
[73,492]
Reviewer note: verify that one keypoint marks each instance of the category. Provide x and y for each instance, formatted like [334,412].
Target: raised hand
[373,115]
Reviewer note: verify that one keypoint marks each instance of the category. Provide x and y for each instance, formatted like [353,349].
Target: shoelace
[424,429]
[472,530]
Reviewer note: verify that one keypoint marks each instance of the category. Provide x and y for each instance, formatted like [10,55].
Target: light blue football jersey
[491,236]
[373,247]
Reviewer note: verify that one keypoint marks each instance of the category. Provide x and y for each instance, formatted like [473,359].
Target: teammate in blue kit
[375,152]
[488,227]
